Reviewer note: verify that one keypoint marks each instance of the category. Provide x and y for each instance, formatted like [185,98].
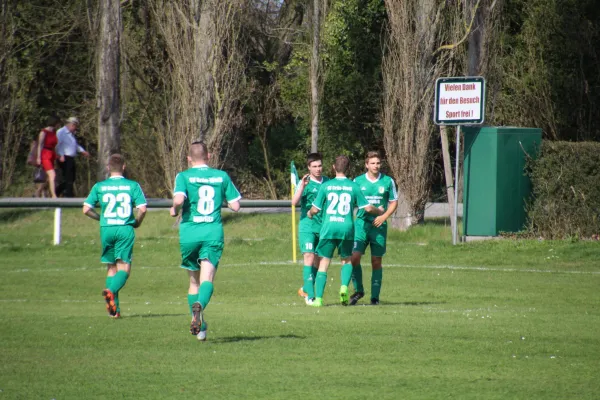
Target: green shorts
[327,247]
[366,234]
[117,243]
[308,242]
[193,253]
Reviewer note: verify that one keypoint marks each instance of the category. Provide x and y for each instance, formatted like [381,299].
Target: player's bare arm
[90,212]
[141,213]
[313,210]
[178,200]
[298,195]
[234,206]
[392,205]
[371,209]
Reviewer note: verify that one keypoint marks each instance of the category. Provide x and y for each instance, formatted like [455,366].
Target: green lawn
[491,320]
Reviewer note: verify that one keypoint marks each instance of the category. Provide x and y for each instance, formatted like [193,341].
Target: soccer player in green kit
[380,191]
[199,192]
[337,199]
[309,228]
[117,197]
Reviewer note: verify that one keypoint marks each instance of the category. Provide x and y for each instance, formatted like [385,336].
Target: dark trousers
[68,177]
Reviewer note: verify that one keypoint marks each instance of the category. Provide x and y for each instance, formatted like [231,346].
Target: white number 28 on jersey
[339,204]
[124,208]
[206,200]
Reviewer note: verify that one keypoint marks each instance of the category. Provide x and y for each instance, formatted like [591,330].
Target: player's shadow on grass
[400,303]
[234,339]
[6,217]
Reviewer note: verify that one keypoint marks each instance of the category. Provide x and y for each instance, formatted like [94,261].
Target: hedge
[566,190]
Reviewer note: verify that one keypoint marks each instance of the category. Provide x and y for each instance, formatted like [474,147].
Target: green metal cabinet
[495,185]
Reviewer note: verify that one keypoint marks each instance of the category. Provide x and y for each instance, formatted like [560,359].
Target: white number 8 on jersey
[206,200]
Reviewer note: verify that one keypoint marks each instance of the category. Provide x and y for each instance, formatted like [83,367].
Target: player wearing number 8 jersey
[199,192]
[117,197]
[336,201]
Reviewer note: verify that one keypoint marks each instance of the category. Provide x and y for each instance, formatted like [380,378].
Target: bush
[566,190]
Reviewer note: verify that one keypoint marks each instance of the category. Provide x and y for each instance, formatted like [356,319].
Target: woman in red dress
[45,153]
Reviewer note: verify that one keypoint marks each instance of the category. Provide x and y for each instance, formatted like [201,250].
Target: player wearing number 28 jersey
[336,201]
[199,193]
[117,197]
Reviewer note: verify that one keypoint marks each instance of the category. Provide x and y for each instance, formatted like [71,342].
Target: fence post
[57,215]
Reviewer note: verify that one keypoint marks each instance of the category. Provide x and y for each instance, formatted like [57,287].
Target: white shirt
[67,144]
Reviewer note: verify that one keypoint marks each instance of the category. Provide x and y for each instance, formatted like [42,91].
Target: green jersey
[309,194]
[336,200]
[204,189]
[378,192]
[116,195]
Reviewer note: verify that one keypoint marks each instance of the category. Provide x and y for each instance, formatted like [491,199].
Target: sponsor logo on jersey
[203,219]
[337,219]
[363,188]
[106,188]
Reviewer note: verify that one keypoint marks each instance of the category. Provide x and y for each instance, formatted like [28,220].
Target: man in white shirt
[67,148]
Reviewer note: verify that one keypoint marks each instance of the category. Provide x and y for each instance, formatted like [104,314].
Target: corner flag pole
[294,182]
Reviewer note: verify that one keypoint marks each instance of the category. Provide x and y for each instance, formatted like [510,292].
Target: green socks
[357,279]
[320,282]
[309,281]
[203,296]
[118,281]
[346,274]
[376,283]
[192,298]
[206,291]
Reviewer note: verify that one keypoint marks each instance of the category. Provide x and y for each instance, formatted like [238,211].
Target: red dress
[48,155]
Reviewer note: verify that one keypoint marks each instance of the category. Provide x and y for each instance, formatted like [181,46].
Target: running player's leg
[378,239]
[107,238]
[124,239]
[190,260]
[325,250]
[210,255]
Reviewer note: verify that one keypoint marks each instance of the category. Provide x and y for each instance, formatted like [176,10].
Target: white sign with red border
[459,101]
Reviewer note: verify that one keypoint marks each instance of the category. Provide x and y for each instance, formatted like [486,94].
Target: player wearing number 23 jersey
[117,197]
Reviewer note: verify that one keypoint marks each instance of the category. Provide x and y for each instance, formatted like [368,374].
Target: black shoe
[356,297]
[374,302]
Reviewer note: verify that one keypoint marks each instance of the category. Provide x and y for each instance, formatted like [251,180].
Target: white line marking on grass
[274,263]
[449,267]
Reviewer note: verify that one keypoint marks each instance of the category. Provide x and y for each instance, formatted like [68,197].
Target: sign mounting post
[459,101]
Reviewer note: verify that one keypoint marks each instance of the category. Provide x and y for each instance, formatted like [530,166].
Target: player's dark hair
[198,151]
[116,163]
[341,164]
[313,157]
[372,154]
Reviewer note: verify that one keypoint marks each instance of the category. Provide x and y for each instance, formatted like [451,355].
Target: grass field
[491,320]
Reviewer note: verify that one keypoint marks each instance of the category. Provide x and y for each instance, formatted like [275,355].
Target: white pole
[455,225]
[57,212]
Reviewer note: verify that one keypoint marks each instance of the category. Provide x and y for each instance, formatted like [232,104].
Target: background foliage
[566,189]
[546,73]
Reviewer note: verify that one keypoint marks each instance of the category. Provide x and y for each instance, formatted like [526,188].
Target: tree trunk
[405,216]
[109,138]
[475,48]
[314,76]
